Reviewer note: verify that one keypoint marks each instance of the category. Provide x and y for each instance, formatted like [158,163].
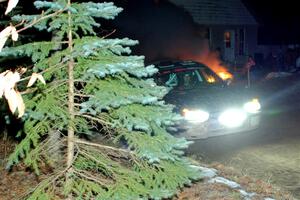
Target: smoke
[165,31]
[210,58]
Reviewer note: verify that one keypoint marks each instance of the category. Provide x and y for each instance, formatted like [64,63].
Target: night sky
[279,20]
[274,12]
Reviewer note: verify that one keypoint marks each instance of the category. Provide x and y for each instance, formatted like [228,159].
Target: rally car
[209,106]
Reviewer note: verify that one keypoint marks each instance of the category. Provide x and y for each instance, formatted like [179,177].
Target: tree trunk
[70,96]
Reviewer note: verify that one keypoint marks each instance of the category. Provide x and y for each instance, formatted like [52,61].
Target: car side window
[198,76]
[172,81]
[167,79]
[189,78]
[186,78]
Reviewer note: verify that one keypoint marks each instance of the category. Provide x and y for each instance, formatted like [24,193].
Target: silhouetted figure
[246,70]
[218,53]
[248,65]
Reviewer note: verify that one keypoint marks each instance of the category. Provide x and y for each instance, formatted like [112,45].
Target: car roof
[173,64]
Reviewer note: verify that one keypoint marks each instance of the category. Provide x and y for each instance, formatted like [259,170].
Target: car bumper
[212,128]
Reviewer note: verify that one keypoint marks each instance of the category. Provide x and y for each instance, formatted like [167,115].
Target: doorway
[229,44]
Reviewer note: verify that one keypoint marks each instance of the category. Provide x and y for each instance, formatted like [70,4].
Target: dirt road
[272,152]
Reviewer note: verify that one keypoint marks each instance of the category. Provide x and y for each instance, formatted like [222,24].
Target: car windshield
[187,78]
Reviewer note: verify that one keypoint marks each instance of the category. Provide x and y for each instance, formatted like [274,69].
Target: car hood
[211,99]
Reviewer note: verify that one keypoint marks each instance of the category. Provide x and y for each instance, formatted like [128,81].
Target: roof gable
[217,12]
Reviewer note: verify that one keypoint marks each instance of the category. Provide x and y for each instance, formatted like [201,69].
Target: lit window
[227,39]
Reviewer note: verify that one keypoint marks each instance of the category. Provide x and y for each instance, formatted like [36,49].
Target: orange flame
[225,75]
[211,79]
[212,60]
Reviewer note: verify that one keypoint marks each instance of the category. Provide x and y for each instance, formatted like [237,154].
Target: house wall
[250,42]
[216,39]
[261,53]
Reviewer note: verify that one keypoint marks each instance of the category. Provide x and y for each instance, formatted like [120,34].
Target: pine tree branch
[83,95]
[50,180]
[77,104]
[55,84]
[19,24]
[93,118]
[28,91]
[109,34]
[97,161]
[79,141]
[35,21]
[46,70]
[89,177]
[81,81]
[131,154]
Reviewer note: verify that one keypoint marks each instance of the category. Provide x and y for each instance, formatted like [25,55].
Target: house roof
[217,12]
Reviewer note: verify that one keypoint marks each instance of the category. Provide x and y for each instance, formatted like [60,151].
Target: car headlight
[197,116]
[252,106]
[232,118]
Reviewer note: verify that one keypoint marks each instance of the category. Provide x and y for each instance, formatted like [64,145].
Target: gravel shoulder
[19,181]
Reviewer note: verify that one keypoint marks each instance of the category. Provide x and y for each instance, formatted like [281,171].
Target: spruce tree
[95,87]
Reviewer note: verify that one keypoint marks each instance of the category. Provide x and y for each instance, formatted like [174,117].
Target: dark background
[156,21]
[279,20]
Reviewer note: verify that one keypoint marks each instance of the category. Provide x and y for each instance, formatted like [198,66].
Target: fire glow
[211,79]
[211,59]
[225,75]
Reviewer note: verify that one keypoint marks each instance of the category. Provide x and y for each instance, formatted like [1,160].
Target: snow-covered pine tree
[95,87]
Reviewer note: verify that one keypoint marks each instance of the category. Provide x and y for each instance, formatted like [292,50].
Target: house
[228,26]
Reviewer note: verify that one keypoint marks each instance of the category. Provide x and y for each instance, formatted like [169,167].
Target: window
[180,78]
[241,46]
[187,78]
[227,39]
[208,34]
[172,80]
